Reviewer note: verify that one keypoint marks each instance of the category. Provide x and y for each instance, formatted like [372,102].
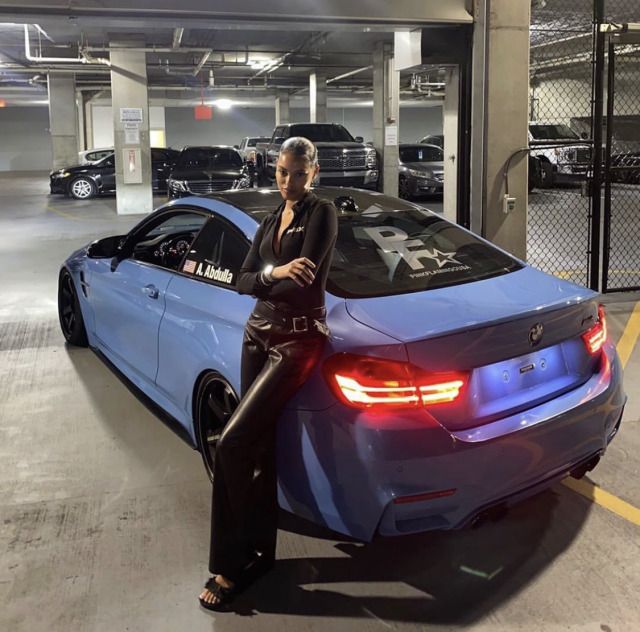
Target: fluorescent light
[223,104]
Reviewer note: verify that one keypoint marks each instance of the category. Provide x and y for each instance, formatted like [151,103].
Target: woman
[286,270]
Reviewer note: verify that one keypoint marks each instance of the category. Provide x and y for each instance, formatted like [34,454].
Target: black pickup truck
[344,160]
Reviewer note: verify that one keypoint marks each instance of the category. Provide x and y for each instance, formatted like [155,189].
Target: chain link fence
[622,151]
[560,137]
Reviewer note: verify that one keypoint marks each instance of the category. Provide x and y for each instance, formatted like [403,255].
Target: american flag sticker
[189,266]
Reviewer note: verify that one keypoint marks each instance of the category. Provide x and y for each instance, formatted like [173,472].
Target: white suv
[562,153]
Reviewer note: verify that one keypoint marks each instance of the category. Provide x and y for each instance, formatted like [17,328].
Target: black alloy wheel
[82,188]
[216,401]
[69,312]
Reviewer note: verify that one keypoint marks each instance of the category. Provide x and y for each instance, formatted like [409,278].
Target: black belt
[296,321]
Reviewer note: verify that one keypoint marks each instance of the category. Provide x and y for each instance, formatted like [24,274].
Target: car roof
[259,202]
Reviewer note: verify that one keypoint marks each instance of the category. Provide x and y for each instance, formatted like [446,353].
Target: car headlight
[418,174]
[371,159]
[178,185]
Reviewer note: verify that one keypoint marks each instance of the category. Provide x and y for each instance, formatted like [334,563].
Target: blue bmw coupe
[457,378]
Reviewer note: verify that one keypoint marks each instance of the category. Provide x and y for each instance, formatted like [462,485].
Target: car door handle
[151,291]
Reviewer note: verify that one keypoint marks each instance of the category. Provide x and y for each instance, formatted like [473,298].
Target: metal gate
[621,235]
[585,104]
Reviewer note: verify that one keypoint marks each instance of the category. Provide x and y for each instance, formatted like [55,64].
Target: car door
[204,320]
[108,173]
[160,167]
[129,299]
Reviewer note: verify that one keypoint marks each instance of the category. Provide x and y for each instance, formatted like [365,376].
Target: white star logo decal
[441,258]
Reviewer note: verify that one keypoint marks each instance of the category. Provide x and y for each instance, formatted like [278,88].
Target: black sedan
[421,170]
[85,181]
[200,170]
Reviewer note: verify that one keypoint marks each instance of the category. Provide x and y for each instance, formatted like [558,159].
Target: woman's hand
[300,270]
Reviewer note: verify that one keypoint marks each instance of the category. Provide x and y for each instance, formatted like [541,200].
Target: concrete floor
[104,513]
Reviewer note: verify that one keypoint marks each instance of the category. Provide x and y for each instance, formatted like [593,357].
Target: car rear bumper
[356,467]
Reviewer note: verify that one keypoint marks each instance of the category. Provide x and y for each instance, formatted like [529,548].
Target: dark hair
[300,147]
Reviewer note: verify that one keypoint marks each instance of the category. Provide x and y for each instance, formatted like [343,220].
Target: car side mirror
[236,146]
[359,139]
[584,135]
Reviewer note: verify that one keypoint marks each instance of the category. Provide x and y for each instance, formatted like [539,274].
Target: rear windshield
[382,252]
[210,158]
[321,133]
[421,154]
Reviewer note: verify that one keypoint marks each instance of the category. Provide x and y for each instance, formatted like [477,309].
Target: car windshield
[382,251]
[210,158]
[552,132]
[322,133]
[421,154]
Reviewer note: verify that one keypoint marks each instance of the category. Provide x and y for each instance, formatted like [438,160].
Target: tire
[82,188]
[547,176]
[404,191]
[69,312]
[215,402]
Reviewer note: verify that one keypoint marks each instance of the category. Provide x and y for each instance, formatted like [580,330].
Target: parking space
[105,512]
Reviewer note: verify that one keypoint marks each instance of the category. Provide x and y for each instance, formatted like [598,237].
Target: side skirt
[168,420]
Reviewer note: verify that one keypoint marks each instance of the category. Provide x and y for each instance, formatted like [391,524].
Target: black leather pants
[244,518]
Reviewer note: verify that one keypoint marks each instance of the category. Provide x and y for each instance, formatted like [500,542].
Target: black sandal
[223,595]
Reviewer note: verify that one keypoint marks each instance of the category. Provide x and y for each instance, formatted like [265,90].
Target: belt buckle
[303,324]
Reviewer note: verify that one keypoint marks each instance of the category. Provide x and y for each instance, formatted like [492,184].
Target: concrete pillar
[130,103]
[499,121]
[282,108]
[450,130]
[386,92]
[88,122]
[63,119]
[317,98]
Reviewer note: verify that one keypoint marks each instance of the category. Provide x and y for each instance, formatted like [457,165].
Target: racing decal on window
[209,271]
[394,244]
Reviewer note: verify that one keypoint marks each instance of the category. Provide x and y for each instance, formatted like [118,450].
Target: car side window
[217,254]
[109,162]
[166,241]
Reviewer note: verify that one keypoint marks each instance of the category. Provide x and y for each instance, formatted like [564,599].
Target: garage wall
[26,142]
[228,128]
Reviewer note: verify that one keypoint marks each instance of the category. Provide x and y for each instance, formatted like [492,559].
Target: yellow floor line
[618,506]
[629,336]
[586,488]
[62,213]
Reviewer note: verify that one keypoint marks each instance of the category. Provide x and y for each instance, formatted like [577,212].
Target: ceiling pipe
[202,62]
[177,37]
[349,74]
[57,60]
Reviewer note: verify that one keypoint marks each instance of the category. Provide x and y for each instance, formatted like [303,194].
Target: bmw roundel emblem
[535,334]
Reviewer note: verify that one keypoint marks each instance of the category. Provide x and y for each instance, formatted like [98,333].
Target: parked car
[626,167]
[433,139]
[457,378]
[93,155]
[564,156]
[247,147]
[86,181]
[200,170]
[421,170]
[344,160]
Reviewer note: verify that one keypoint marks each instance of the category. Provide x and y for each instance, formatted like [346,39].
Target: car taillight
[374,383]
[595,337]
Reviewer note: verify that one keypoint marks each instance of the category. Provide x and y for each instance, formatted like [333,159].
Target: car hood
[427,167]
[341,144]
[459,307]
[206,174]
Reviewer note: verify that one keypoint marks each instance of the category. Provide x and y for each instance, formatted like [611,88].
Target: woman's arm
[250,279]
[320,236]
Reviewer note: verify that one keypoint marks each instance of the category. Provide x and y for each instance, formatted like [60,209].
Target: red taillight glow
[364,382]
[416,498]
[596,336]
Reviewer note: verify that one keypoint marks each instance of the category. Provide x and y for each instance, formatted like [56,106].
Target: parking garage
[105,510]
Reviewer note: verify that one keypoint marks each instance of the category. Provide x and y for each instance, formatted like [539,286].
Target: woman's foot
[218,591]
